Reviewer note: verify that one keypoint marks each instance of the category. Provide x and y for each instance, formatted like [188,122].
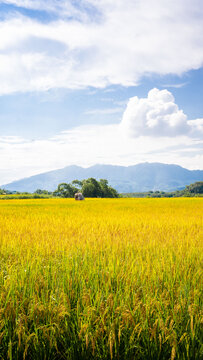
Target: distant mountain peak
[134,178]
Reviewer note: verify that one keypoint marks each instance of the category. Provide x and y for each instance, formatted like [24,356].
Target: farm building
[79,196]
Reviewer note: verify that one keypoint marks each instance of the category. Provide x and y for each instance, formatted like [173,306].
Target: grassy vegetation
[101,279]
[159,194]
[24,196]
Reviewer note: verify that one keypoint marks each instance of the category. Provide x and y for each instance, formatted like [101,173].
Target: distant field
[101,279]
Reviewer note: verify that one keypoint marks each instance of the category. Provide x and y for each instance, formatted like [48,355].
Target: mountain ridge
[133,178]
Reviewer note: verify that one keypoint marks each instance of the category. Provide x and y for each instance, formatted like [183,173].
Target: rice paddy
[101,279]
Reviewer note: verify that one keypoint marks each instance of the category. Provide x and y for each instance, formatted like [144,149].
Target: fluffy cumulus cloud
[158,115]
[97,42]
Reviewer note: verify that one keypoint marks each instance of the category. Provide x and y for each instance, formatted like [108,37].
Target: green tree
[65,190]
[107,191]
[77,182]
[196,188]
[42,192]
[3,192]
[113,192]
[91,188]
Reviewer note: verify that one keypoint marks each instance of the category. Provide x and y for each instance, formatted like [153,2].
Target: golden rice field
[101,279]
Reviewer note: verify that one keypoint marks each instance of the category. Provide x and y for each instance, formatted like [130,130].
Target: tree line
[195,189]
[93,188]
[88,187]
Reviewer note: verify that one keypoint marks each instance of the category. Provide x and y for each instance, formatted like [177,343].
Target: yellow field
[101,279]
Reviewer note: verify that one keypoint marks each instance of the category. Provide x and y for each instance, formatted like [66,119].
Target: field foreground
[101,279]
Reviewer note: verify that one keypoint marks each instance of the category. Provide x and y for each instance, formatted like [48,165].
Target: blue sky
[94,81]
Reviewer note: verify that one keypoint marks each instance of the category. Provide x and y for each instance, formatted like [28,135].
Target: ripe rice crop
[101,279]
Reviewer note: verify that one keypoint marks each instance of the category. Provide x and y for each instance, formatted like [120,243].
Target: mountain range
[136,178]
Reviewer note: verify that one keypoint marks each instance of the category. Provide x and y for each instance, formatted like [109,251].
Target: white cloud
[158,115]
[11,140]
[108,111]
[128,39]
[177,86]
[196,126]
